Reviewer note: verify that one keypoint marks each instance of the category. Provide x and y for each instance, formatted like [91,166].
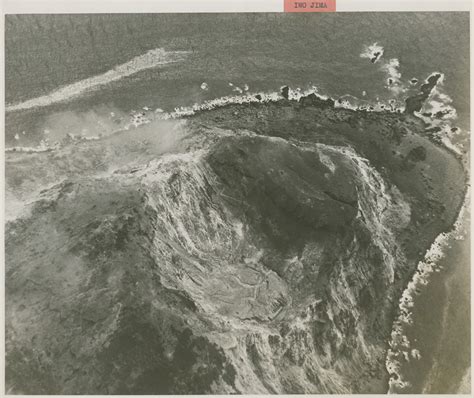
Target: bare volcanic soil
[252,248]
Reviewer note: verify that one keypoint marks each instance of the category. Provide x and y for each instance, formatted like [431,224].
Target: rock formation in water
[252,248]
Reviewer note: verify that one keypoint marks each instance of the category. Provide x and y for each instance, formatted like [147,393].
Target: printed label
[309,6]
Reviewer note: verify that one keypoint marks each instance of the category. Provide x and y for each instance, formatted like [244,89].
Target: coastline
[426,285]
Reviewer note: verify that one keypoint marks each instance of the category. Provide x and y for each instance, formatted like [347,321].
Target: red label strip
[309,6]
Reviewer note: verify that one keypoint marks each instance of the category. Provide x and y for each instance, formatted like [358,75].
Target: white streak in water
[151,59]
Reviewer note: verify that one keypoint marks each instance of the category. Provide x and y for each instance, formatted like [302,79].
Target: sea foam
[400,346]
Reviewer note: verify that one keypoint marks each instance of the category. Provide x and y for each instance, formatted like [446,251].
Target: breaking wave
[401,348]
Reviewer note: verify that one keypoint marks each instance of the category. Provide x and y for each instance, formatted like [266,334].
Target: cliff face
[256,248]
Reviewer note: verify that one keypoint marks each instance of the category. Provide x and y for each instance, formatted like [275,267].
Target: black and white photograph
[237,203]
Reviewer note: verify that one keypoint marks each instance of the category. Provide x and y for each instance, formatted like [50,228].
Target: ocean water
[262,51]
[95,74]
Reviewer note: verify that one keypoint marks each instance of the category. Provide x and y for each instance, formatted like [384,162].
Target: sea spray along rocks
[415,103]
[258,247]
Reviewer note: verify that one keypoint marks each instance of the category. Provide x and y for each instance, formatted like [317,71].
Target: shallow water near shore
[440,332]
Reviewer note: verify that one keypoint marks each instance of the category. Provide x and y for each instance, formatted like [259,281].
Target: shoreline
[262,97]
[421,277]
